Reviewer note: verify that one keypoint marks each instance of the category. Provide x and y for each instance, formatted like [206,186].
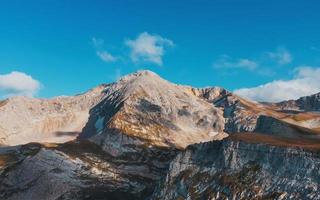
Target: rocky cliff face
[79,170]
[240,115]
[237,170]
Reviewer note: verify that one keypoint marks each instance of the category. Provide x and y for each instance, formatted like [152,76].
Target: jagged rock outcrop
[24,119]
[240,114]
[307,103]
[232,169]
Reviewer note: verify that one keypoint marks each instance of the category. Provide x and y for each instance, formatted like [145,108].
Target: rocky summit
[143,137]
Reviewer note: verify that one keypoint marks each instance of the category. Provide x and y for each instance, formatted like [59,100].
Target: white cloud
[147,47]
[105,56]
[282,56]
[305,82]
[101,53]
[226,62]
[246,63]
[18,83]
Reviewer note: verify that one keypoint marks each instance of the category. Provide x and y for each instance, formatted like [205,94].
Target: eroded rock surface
[80,170]
[237,170]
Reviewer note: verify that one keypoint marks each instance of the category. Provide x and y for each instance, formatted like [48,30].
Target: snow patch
[99,124]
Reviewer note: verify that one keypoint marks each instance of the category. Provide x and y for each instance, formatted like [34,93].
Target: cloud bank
[306,81]
[148,48]
[18,83]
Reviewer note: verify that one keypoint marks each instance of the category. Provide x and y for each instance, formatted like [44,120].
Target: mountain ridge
[142,134]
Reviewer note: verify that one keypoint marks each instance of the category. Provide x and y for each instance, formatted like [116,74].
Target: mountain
[154,112]
[132,133]
[24,119]
[244,166]
[143,137]
[307,103]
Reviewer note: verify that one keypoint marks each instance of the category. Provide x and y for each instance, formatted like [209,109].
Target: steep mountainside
[232,169]
[137,129]
[307,103]
[24,120]
[144,109]
[79,170]
[242,115]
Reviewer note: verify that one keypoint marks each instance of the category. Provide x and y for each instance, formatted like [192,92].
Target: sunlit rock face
[144,109]
[24,119]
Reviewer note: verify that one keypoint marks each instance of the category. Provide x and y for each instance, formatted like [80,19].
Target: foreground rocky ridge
[232,169]
[79,170]
[134,130]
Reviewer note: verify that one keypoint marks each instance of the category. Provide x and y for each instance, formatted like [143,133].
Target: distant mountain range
[146,138]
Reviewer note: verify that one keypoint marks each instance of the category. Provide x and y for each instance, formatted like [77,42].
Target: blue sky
[70,46]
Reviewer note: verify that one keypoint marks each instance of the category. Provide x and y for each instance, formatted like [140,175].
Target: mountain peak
[145,73]
[142,74]
[144,106]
